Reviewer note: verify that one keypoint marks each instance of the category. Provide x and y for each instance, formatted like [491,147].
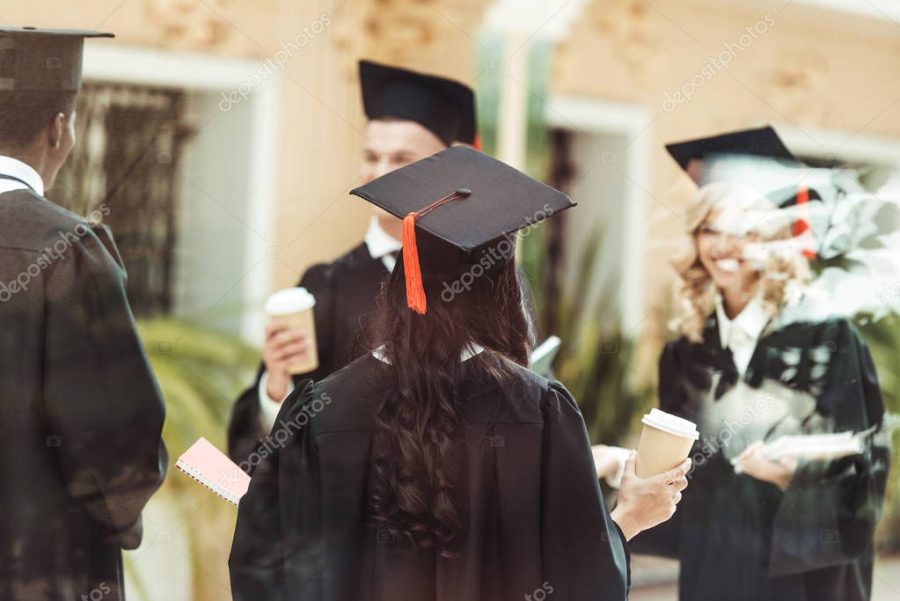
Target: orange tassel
[476,144]
[415,290]
[801,227]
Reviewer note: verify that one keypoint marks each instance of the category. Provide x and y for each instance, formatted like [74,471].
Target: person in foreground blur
[438,466]
[750,369]
[410,116]
[80,412]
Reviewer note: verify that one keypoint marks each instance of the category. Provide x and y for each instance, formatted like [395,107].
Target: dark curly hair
[416,462]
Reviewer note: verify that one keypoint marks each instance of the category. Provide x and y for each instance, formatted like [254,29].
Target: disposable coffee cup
[293,307]
[666,440]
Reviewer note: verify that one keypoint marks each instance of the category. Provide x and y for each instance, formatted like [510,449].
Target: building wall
[806,72]
[315,45]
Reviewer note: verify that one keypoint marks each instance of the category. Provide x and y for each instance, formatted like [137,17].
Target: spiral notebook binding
[203,461]
[203,480]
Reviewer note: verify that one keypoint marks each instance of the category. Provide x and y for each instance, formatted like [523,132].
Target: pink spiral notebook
[213,469]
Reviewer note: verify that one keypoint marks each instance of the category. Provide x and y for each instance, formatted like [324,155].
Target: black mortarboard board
[443,106]
[764,163]
[762,142]
[456,206]
[42,60]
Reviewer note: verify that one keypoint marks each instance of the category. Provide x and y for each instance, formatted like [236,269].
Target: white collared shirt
[23,171]
[467,353]
[269,407]
[739,334]
[381,244]
[742,333]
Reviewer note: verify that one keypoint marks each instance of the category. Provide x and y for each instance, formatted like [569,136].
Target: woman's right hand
[283,347]
[647,502]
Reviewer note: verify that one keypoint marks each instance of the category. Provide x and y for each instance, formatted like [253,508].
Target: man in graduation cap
[751,365]
[411,116]
[80,411]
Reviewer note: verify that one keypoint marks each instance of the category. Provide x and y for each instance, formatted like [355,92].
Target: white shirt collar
[466,354]
[23,171]
[379,242]
[747,325]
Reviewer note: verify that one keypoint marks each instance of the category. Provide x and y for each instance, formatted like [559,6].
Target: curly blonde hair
[782,274]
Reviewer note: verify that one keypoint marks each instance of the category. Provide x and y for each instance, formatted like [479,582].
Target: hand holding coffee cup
[666,440]
[283,347]
[647,502]
[290,346]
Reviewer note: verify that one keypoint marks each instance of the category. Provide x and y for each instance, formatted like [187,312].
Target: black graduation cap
[444,106]
[457,207]
[764,145]
[42,60]
[762,142]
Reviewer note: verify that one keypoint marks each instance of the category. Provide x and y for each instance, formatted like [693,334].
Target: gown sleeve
[828,513]
[103,409]
[319,280]
[583,550]
[663,539]
[276,552]
[245,426]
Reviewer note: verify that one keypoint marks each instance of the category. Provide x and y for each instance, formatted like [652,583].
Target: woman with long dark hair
[439,466]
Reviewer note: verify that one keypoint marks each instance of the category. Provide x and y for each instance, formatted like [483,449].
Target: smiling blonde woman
[748,367]
[740,236]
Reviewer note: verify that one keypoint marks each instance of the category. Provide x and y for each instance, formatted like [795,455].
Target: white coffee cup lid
[671,424]
[290,300]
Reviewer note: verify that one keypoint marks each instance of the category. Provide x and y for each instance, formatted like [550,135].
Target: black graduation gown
[80,412]
[738,538]
[345,291]
[536,528]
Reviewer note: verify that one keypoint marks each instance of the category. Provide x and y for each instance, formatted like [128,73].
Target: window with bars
[125,168]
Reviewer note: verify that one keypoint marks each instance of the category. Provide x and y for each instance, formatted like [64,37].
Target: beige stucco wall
[321,124]
[808,69]
[413,35]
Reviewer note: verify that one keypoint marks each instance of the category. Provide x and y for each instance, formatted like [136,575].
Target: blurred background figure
[80,412]
[223,136]
[797,512]
[410,116]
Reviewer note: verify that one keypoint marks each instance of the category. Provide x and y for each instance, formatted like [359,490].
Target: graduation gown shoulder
[80,411]
[535,518]
[345,291]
